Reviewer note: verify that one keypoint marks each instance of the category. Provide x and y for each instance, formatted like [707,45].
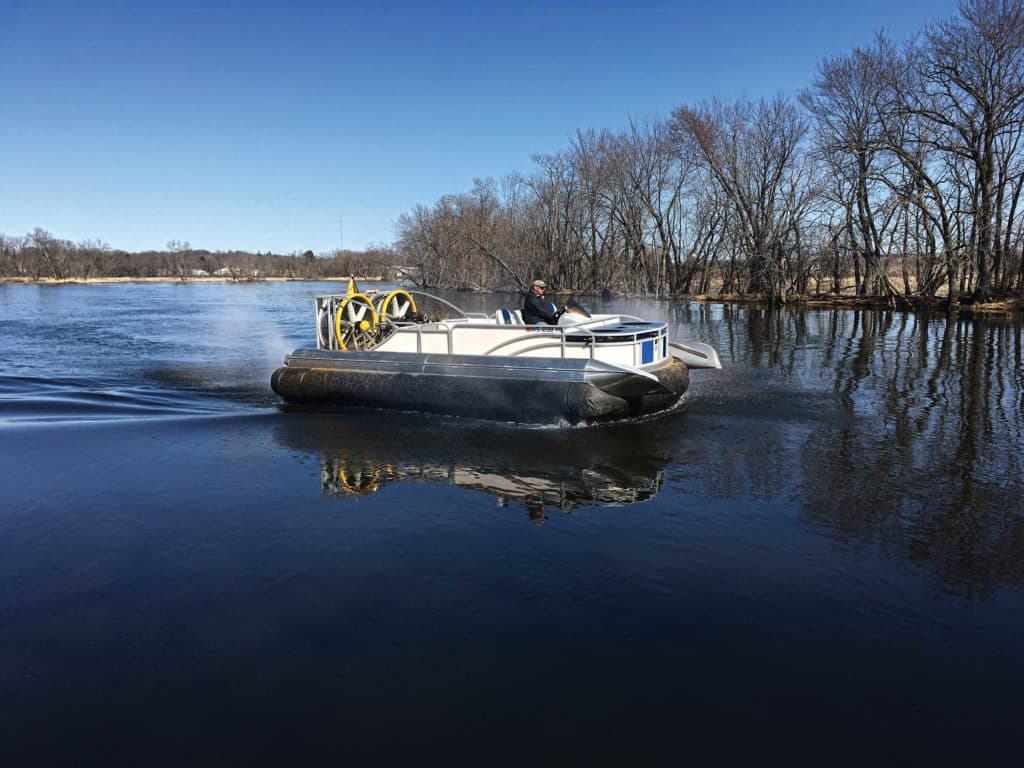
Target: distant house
[223,272]
[200,273]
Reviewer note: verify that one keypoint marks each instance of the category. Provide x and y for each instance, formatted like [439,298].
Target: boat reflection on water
[541,469]
[354,476]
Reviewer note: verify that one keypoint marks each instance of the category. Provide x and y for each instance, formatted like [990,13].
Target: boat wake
[246,386]
[34,400]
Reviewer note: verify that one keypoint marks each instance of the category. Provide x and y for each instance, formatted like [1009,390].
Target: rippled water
[818,555]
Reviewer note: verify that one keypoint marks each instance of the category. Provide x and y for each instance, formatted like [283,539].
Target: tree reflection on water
[928,467]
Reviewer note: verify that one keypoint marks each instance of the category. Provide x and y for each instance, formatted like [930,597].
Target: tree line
[896,173]
[39,255]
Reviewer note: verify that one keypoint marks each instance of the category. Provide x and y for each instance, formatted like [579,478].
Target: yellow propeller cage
[398,293]
[358,298]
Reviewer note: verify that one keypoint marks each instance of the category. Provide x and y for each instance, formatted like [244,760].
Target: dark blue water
[817,557]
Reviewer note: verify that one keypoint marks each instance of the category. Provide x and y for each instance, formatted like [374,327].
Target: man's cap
[540,284]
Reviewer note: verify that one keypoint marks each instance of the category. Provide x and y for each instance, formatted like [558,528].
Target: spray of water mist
[253,345]
[233,351]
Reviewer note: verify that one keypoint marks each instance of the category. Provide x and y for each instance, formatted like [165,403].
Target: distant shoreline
[169,279]
[841,301]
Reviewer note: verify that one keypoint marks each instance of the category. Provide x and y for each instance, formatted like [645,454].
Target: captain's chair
[509,317]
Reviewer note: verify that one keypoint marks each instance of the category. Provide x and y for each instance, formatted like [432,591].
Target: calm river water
[818,556]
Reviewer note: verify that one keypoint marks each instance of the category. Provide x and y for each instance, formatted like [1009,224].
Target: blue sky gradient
[253,125]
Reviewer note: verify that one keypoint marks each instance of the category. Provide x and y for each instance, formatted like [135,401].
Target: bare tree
[969,86]
[843,100]
[52,256]
[11,263]
[91,257]
[652,175]
[179,258]
[752,152]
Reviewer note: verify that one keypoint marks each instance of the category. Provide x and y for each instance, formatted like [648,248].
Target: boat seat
[509,317]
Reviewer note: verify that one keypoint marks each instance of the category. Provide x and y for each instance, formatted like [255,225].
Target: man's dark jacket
[537,309]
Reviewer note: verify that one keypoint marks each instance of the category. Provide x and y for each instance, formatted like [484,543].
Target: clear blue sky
[253,125]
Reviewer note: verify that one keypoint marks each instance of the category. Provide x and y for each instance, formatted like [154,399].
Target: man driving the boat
[536,309]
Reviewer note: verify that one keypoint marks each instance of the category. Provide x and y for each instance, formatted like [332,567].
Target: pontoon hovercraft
[379,351]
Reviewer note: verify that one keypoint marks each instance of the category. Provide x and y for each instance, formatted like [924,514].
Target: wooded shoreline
[965,304]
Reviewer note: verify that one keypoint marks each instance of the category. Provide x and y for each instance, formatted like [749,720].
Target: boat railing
[545,344]
[551,337]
